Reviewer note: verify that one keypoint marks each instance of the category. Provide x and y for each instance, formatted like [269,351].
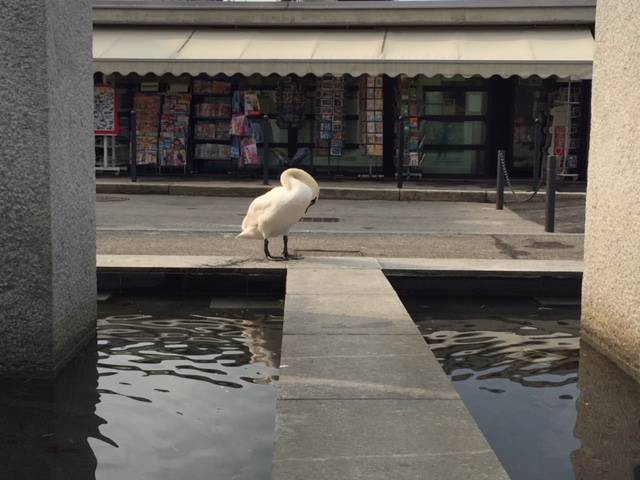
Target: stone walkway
[360,394]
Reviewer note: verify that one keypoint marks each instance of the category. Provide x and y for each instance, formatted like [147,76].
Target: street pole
[500,180]
[537,149]
[550,207]
[133,147]
[265,146]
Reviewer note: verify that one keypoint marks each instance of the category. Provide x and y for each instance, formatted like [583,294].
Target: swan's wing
[258,206]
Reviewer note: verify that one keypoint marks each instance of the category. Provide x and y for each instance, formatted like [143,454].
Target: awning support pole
[133,148]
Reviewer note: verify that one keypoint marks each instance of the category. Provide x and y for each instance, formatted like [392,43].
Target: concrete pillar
[611,287]
[47,188]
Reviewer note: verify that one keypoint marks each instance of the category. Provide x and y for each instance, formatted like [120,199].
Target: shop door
[453,129]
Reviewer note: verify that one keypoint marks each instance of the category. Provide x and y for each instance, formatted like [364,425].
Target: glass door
[453,128]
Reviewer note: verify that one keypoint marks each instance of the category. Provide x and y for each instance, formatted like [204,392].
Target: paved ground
[175,225]
[569,214]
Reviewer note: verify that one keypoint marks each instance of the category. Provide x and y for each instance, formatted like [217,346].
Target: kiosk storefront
[334,98]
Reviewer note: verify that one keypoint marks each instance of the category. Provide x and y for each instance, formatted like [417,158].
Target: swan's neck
[291,180]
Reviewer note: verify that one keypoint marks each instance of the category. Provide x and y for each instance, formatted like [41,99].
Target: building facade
[345,88]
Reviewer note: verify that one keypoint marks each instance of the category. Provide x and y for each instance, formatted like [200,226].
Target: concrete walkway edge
[327,192]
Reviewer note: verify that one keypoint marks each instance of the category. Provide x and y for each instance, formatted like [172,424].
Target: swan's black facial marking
[312,202]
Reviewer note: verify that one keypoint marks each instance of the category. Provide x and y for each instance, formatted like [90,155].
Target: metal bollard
[537,149]
[133,147]
[265,146]
[400,150]
[550,207]
[500,180]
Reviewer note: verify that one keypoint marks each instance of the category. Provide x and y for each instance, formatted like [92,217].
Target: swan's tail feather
[250,233]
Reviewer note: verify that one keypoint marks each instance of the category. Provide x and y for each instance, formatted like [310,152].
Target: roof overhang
[542,52]
[451,13]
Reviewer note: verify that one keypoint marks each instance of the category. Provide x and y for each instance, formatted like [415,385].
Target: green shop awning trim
[524,52]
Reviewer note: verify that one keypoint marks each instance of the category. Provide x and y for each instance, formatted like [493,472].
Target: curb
[328,193]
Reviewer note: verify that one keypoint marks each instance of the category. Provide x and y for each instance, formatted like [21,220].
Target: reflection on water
[515,366]
[170,390]
[608,423]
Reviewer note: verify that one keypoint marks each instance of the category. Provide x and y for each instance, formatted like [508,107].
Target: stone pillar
[47,187]
[611,286]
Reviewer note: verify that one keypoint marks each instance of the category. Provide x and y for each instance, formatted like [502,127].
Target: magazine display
[105,110]
[147,106]
[291,103]
[410,125]
[245,133]
[212,109]
[330,117]
[174,130]
[371,114]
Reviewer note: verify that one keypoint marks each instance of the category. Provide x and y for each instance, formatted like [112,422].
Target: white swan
[274,213]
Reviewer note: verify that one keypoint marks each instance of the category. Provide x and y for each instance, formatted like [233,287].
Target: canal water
[171,389]
[551,407]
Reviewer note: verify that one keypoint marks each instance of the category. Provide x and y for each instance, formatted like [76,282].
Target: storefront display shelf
[213,95]
[212,140]
[218,119]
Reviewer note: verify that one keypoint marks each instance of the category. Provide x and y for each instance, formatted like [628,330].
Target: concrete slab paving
[450,265]
[360,392]
[167,213]
[389,377]
[466,466]
[336,281]
[337,346]
[468,265]
[322,244]
[382,314]
[363,263]
[328,429]
[179,262]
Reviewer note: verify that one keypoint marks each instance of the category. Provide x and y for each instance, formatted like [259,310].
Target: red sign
[558,141]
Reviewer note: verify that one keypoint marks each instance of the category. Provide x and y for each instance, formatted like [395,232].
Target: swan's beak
[312,202]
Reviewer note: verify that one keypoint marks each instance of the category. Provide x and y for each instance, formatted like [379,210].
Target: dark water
[538,396]
[170,390]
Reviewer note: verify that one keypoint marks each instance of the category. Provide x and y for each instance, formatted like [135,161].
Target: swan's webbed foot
[285,252]
[268,254]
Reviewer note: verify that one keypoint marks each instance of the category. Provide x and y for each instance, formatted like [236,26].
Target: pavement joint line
[370,399]
[384,355]
[390,455]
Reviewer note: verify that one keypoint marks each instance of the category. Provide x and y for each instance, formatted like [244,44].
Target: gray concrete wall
[611,288]
[47,204]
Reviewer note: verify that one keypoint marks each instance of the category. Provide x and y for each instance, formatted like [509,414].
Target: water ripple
[198,347]
[531,360]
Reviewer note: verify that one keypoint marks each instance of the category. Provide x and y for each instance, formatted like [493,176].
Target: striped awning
[525,52]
